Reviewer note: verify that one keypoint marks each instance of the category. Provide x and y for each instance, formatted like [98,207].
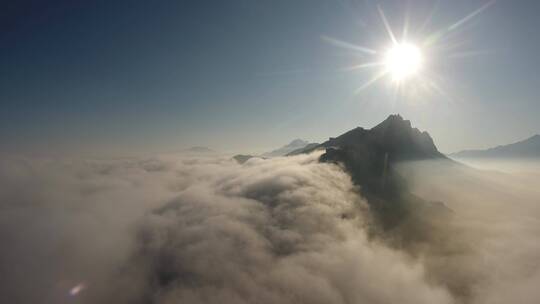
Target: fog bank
[196,230]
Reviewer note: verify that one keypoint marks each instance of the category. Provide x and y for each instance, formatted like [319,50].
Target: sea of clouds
[191,229]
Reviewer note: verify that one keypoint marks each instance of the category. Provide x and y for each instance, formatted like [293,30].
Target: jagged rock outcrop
[242,158]
[370,155]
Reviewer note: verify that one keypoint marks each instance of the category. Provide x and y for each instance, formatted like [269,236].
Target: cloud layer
[284,230]
[288,230]
[493,254]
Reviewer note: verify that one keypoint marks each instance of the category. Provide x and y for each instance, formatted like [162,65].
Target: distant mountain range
[295,145]
[307,148]
[288,148]
[528,148]
[199,150]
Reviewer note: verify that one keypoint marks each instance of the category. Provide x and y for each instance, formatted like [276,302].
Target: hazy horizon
[102,78]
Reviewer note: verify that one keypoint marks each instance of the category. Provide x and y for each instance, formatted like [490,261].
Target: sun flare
[403,60]
[412,61]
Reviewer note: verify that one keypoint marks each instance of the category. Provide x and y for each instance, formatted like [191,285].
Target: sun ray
[364,65]
[470,16]
[409,64]
[387,25]
[429,18]
[371,81]
[405,27]
[433,85]
[436,36]
[348,45]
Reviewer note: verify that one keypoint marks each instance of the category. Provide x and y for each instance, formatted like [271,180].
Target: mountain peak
[393,121]
[297,143]
[370,157]
[292,146]
[394,137]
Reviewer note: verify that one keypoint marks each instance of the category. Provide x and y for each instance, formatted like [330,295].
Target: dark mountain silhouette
[385,162]
[288,148]
[308,147]
[528,148]
[394,136]
[242,158]
[370,156]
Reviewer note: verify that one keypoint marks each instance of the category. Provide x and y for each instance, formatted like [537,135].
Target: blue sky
[132,77]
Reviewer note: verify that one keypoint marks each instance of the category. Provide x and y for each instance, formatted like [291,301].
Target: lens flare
[77,289]
[413,68]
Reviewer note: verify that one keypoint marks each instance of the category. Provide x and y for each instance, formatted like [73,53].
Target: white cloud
[200,230]
[284,230]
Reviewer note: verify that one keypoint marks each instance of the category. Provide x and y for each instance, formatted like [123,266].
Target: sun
[403,60]
[411,62]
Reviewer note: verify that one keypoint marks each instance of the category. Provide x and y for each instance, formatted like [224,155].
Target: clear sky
[129,77]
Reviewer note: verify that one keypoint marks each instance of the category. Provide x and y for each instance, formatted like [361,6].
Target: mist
[198,230]
[172,229]
[496,226]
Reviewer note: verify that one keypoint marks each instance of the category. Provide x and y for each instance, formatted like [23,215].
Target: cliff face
[370,155]
[394,137]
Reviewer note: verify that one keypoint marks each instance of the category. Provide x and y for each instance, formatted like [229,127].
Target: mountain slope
[288,148]
[394,137]
[308,147]
[371,155]
[528,148]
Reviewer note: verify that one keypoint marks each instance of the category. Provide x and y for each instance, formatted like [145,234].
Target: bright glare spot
[77,289]
[403,60]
